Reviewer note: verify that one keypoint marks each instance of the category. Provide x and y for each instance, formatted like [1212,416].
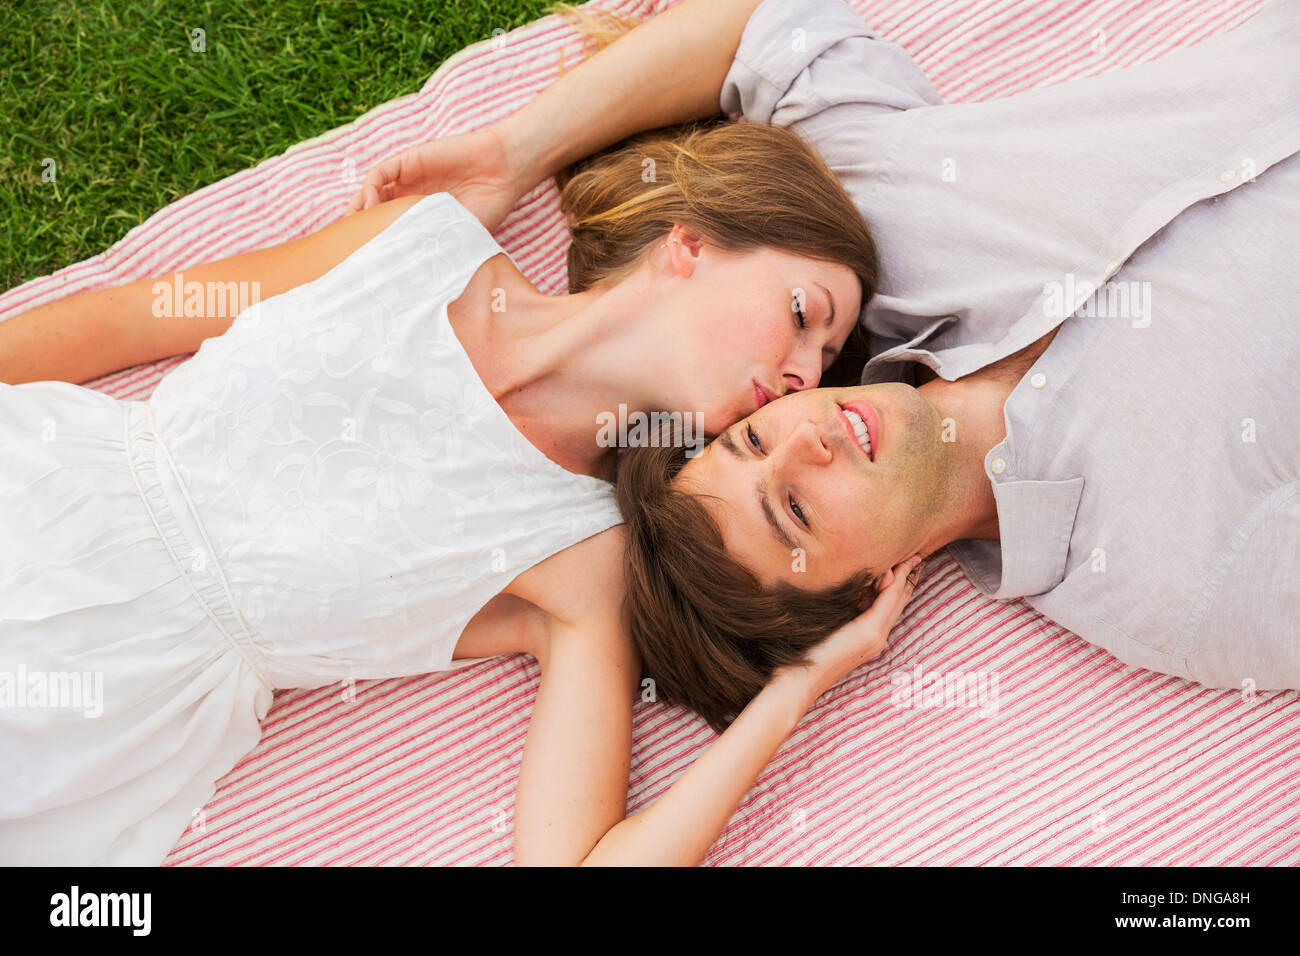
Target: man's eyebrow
[770,515]
[729,444]
[725,440]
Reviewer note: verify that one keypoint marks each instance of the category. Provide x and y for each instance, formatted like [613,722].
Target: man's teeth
[859,429]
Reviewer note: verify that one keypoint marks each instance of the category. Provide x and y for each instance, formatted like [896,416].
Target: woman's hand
[860,640]
[474,167]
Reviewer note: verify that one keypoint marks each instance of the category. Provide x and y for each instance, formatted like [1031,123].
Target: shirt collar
[1035,523]
[1035,518]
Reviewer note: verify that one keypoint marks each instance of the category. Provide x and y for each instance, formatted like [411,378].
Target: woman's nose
[804,369]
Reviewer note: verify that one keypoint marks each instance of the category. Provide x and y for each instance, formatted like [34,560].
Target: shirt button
[1038,380]
[1112,266]
[998,466]
[1227,176]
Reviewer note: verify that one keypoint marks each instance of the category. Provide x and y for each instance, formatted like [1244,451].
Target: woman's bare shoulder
[578,594]
[584,582]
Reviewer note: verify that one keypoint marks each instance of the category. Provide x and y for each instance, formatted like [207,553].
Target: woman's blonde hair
[741,186]
[598,28]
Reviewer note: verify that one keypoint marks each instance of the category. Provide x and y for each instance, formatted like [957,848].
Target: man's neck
[972,408]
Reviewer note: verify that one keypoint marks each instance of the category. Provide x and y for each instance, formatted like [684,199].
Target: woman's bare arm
[572,784]
[89,334]
[572,791]
[571,798]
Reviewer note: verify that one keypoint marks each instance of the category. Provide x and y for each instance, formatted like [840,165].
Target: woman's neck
[551,362]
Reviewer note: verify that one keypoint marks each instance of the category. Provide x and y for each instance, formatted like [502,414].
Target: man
[1134,472]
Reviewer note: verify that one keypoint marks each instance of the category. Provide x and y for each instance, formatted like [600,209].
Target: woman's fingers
[890,601]
[888,606]
[867,633]
[893,583]
[905,577]
[864,637]
[377,187]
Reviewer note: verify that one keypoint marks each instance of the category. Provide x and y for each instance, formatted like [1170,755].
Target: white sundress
[325,492]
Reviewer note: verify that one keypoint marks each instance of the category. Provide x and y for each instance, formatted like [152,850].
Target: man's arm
[810,65]
[667,70]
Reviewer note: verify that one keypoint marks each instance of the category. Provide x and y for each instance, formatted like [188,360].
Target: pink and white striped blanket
[1082,760]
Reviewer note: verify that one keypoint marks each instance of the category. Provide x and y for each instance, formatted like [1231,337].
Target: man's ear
[870,591]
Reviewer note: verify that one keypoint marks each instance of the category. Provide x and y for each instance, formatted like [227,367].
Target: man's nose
[804,446]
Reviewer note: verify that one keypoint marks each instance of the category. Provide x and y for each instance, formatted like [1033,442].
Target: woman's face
[798,497]
[741,329]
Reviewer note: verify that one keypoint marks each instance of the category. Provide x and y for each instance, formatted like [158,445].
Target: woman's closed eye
[800,318]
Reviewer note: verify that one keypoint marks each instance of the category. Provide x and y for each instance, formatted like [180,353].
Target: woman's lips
[870,419]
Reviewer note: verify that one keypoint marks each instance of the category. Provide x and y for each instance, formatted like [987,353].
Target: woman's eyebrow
[831,319]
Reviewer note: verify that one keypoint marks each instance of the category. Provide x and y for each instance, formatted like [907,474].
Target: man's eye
[753,439]
[798,512]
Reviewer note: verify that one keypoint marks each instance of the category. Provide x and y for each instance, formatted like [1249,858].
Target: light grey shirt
[1148,489]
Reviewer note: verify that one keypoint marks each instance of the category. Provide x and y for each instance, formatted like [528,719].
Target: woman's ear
[684,239]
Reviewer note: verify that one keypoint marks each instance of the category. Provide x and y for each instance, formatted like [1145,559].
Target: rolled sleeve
[797,58]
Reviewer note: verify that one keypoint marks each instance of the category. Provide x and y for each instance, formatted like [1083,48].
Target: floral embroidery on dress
[364,493]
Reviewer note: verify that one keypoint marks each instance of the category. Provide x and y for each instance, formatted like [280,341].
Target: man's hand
[860,640]
[473,167]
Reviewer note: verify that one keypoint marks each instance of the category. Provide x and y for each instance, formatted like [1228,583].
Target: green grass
[134,118]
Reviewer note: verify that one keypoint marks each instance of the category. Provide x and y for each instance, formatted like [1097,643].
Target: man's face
[794,475]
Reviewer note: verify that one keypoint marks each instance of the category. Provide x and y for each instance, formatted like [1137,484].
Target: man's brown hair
[709,634]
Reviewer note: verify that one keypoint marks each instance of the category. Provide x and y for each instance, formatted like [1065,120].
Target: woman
[388,464]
